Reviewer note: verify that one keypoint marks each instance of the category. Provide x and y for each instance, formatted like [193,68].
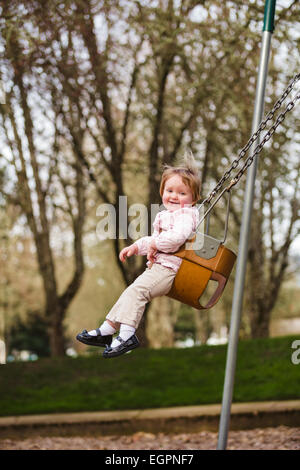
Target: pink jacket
[171,230]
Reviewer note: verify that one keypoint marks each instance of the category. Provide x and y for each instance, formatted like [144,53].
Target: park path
[277,438]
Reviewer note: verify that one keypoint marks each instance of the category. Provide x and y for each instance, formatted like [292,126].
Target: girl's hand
[152,250]
[128,251]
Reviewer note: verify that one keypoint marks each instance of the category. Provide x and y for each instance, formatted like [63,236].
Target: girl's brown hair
[189,175]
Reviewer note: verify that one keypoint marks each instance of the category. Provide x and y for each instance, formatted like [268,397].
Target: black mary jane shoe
[99,340]
[123,348]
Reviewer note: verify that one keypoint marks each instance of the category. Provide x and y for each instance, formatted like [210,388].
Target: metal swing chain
[260,146]
[250,142]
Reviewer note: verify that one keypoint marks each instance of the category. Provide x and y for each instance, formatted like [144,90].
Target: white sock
[105,329]
[126,331]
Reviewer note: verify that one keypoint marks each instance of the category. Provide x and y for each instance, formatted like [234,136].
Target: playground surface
[278,438]
[259,425]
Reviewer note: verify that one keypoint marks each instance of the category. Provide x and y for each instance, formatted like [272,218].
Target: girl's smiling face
[176,194]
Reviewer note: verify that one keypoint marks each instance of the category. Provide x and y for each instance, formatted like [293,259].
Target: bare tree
[132,86]
[141,92]
[275,225]
[33,184]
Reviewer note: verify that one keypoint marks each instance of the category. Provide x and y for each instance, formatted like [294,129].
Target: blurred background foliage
[98,96]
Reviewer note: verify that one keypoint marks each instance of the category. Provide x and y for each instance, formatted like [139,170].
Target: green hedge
[149,378]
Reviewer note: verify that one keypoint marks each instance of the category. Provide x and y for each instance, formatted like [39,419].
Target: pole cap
[269,15]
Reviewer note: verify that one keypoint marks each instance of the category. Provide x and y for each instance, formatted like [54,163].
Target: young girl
[180,190]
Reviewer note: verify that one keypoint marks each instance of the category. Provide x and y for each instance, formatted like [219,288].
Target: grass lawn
[149,378]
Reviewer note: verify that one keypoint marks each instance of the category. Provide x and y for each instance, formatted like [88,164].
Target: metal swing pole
[236,311]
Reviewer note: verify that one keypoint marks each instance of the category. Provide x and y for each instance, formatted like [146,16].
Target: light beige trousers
[152,283]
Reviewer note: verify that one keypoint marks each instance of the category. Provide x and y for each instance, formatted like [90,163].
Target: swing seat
[212,262]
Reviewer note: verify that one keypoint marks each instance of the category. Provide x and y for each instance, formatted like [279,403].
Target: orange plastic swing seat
[196,271]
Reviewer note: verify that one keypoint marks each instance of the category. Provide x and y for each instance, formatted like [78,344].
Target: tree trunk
[141,331]
[260,322]
[161,318]
[203,326]
[56,335]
